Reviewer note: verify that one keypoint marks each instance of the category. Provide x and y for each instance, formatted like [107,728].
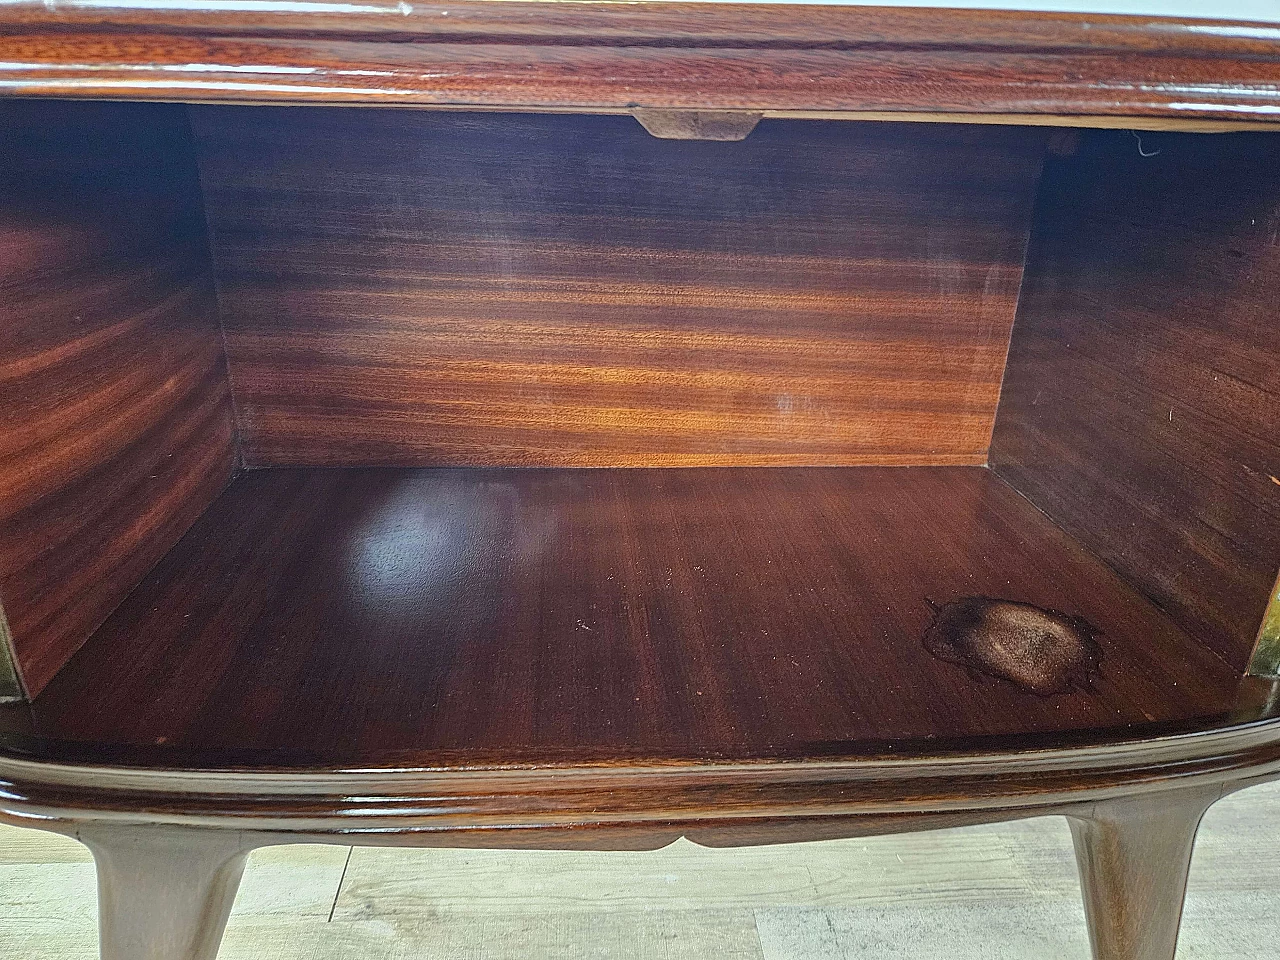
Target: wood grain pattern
[1134,857]
[589,56]
[118,430]
[1142,394]
[164,894]
[421,289]
[320,617]
[613,659]
[678,24]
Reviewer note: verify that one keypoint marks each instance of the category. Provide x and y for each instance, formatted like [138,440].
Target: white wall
[1267,11]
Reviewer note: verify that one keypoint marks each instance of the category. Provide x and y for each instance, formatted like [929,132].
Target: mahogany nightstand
[532,424]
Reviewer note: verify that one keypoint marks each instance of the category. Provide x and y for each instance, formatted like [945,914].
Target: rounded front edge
[636,805]
[665,56]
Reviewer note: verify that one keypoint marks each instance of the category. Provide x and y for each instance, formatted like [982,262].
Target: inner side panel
[410,288]
[115,416]
[1141,407]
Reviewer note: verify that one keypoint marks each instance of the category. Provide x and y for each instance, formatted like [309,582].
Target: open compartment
[363,436]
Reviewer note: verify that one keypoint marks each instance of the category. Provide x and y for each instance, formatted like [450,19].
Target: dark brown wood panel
[592,56]
[319,617]
[1141,408]
[416,289]
[117,430]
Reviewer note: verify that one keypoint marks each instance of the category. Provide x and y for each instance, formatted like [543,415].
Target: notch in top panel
[409,288]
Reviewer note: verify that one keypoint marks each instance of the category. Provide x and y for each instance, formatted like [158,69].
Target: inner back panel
[404,288]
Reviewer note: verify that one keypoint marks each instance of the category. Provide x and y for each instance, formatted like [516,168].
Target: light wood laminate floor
[993,892]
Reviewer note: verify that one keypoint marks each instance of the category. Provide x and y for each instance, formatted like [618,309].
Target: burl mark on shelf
[1042,651]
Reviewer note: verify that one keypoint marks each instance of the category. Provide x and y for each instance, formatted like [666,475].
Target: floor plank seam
[338,892]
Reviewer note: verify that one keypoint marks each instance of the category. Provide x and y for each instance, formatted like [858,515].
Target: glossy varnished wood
[321,617]
[612,659]
[412,288]
[677,24]
[164,894]
[116,430]
[593,56]
[1142,397]
[1134,857]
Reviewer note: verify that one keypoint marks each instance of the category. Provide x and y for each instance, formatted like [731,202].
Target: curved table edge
[653,802]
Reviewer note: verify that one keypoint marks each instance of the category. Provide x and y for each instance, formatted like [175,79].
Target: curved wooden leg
[164,893]
[1134,855]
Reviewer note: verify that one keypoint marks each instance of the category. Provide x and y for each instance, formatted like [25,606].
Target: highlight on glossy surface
[412,288]
[449,617]
[116,425]
[611,659]
[1266,653]
[666,56]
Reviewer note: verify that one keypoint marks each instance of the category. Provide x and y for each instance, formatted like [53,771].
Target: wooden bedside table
[881,434]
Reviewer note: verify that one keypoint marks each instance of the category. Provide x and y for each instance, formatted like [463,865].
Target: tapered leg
[1134,855]
[164,893]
